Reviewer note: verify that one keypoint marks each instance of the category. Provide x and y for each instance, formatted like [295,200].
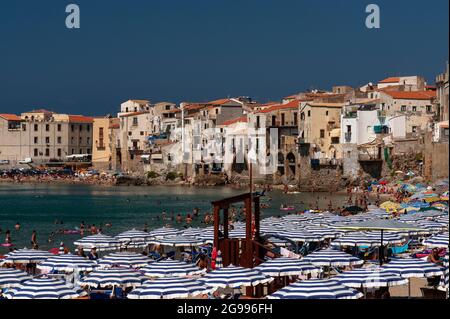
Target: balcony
[348,137]
[136,151]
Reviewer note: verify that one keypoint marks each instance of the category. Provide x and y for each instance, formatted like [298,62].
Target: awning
[145,157]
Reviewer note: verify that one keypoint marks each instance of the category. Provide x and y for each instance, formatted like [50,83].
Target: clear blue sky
[197,50]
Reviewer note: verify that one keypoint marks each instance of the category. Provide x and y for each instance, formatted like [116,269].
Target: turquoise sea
[37,207]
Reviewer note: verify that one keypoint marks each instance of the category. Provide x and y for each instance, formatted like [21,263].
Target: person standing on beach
[34,239]
[8,239]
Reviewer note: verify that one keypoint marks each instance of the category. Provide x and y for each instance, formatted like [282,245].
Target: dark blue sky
[197,50]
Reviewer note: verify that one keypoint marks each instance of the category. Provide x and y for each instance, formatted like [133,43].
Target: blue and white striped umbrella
[234,277]
[125,260]
[413,267]
[388,237]
[325,232]
[177,241]
[432,226]
[99,241]
[171,268]
[356,239]
[316,289]
[332,257]
[438,241]
[444,279]
[134,238]
[10,278]
[301,236]
[45,288]
[164,231]
[170,288]
[283,266]
[115,277]
[192,232]
[68,263]
[25,256]
[207,237]
[370,278]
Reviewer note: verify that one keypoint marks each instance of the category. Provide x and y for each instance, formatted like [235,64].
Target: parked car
[28,160]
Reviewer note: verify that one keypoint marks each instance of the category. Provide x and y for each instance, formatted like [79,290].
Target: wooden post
[216,225]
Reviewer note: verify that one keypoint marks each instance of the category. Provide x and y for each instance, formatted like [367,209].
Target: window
[88,151]
[349,128]
[403,108]
[72,127]
[257,121]
[47,127]
[309,113]
[59,139]
[36,152]
[59,127]
[274,120]
[414,129]
[47,152]
[73,151]
[81,151]
[282,119]
[295,119]
[135,121]
[36,128]
[24,127]
[326,113]
[81,140]
[302,116]
[72,140]
[47,140]
[129,133]
[88,128]
[167,107]
[81,128]
[59,152]
[126,109]
[322,133]
[428,108]
[36,140]
[142,133]
[88,140]
[414,108]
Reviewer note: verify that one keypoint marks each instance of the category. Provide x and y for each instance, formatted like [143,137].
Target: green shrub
[152,175]
[171,176]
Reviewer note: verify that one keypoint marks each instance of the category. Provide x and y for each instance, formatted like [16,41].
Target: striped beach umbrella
[332,257]
[177,241]
[125,260]
[316,289]
[10,278]
[45,288]
[115,277]
[301,236]
[192,231]
[284,266]
[26,256]
[356,239]
[134,238]
[207,237]
[388,237]
[440,240]
[413,267]
[234,277]
[171,268]
[68,263]
[370,278]
[100,242]
[170,288]
[164,231]
[325,232]
[432,226]
[444,279]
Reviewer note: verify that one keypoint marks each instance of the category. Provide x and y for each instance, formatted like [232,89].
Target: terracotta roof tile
[390,80]
[412,95]
[242,119]
[80,119]
[10,117]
